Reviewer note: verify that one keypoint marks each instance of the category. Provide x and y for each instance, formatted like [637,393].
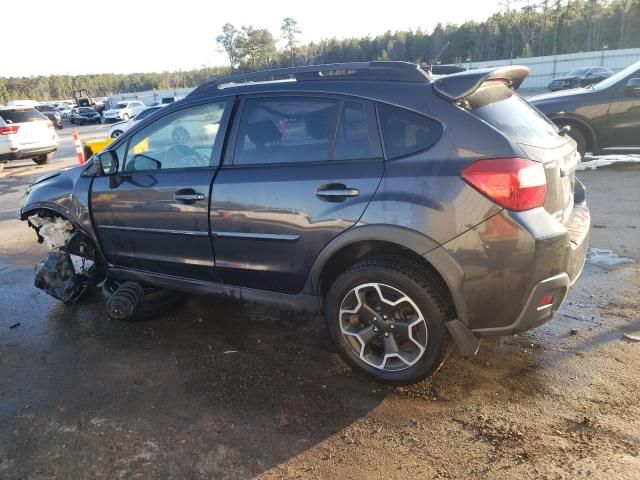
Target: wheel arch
[581,123]
[359,242]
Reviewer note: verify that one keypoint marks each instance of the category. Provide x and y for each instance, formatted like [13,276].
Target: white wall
[151,96]
[544,69]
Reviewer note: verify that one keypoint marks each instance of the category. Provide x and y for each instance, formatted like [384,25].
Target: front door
[154,215]
[623,121]
[302,171]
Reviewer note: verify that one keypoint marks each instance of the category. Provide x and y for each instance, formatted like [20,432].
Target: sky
[124,36]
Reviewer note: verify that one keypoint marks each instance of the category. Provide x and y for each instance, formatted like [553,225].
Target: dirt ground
[228,390]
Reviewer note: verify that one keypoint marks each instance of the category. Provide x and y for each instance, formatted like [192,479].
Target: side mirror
[633,85]
[107,163]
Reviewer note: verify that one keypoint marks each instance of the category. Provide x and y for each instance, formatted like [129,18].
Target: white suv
[26,133]
[123,110]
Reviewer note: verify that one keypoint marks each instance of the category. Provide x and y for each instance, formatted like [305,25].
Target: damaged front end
[72,266]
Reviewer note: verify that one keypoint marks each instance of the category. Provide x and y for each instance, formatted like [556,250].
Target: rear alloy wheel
[387,320]
[42,159]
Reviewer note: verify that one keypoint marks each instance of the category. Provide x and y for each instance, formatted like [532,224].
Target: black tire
[156,302]
[42,159]
[415,283]
[580,139]
[98,121]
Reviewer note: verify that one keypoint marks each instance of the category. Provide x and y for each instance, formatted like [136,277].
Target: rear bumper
[532,314]
[499,271]
[28,153]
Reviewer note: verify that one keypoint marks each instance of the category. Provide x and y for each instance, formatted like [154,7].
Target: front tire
[387,320]
[580,139]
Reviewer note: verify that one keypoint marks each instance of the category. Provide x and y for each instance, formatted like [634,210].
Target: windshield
[120,105]
[613,79]
[85,110]
[577,72]
[44,108]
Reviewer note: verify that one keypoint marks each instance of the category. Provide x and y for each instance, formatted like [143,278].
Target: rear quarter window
[405,132]
[21,116]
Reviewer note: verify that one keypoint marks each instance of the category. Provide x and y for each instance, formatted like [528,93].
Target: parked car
[72,114]
[603,118]
[580,77]
[119,128]
[26,133]
[85,115]
[407,209]
[64,110]
[52,114]
[123,111]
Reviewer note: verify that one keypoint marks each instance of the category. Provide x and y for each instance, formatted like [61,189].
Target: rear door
[299,170]
[155,215]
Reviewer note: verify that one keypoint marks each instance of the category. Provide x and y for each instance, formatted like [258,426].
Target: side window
[405,132]
[183,139]
[356,138]
[285,130]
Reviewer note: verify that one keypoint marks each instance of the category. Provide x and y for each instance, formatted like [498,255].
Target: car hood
[572,77]
[572,94]
[113,125]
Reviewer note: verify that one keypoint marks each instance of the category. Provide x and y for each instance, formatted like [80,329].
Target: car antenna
[435,60]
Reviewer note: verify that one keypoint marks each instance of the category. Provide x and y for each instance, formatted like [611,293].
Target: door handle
[188,197]
[336,192]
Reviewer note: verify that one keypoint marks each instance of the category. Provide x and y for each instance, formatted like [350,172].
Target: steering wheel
[188,157]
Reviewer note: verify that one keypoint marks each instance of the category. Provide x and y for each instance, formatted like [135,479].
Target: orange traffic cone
[78,145]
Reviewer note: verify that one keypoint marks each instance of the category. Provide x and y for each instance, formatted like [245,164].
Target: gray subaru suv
[410,210]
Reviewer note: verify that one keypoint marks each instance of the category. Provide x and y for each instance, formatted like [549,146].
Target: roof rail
[381,71]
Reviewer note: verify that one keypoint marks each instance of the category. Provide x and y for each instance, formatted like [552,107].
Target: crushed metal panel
[57,277]
[56,231]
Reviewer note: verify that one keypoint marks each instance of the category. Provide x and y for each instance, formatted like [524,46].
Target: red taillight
[9,129]
[546,301]
[513,183]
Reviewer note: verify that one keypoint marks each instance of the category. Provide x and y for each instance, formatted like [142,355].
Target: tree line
[522,28]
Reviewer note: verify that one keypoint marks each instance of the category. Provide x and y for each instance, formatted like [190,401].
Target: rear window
[501,108]
[405,132]
[21,116]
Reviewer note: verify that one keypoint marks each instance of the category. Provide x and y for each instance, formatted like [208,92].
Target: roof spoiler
[460,85]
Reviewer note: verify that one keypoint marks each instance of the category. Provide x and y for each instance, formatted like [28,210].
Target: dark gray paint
[270,236]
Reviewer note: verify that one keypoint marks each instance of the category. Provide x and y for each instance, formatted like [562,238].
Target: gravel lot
[222,389]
